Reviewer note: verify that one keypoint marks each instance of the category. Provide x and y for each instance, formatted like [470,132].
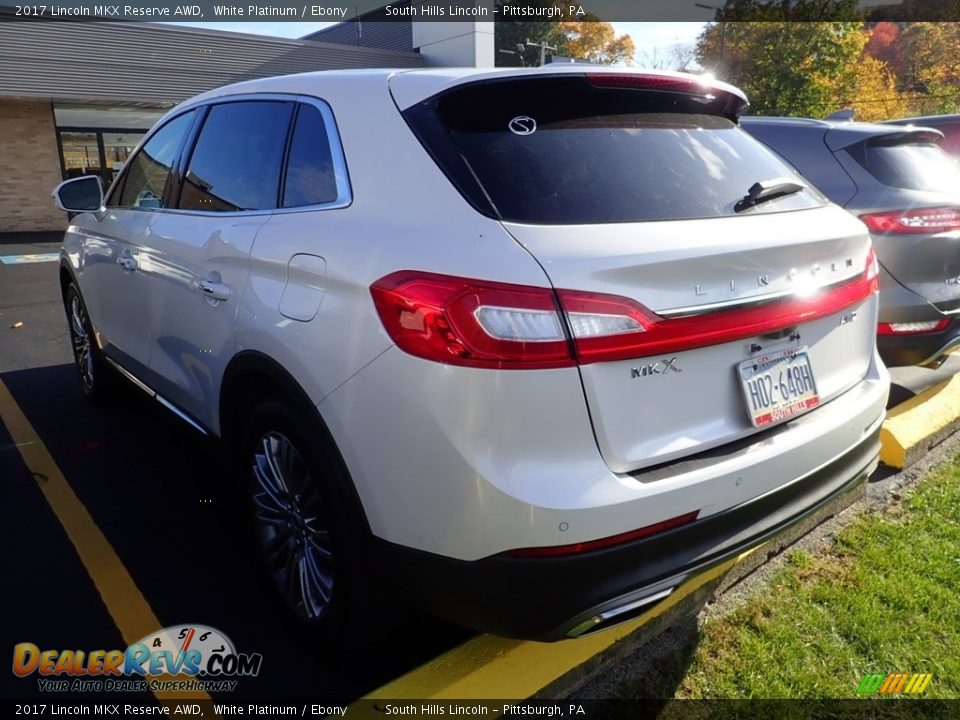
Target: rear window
[951,139]
[561,151]
[911,166]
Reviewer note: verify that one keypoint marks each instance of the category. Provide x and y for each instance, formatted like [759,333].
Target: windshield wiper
[765,190]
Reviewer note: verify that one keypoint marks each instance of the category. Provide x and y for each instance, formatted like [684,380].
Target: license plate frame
[765,380]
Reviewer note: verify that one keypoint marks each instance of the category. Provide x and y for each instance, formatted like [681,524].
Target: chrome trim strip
[947,347]
[131,377]
[181,414]
[743,302]
[620,610]
[159,398]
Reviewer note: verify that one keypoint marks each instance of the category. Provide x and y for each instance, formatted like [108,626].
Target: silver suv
[907,191]
[529,347]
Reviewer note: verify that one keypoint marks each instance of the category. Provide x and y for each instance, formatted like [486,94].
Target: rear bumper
[554,598]
[897,350]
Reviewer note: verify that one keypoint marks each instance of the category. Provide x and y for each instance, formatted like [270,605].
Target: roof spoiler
[845,115]
[841,136]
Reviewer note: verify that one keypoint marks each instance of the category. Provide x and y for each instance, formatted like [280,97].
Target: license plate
[778,386]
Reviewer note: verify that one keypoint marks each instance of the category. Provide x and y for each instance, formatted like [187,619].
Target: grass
[885,598]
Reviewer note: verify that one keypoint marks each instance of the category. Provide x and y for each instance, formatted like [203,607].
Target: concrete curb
[913,427]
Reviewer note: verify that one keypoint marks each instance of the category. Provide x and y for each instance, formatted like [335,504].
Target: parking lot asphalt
[158,494]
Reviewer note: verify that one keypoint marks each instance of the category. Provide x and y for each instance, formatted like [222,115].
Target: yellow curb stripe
[913,426]
[489,668]
[130,611]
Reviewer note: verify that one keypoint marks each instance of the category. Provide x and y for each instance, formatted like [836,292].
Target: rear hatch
[686,305]
[910,199]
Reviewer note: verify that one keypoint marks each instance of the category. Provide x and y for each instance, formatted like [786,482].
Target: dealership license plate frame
[766,365]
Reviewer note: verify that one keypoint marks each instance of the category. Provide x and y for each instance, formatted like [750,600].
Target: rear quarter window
[561,151]
[909,166]
[235,164]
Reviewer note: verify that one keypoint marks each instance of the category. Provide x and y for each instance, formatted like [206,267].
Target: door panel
[198,257]
[196,269]
[119,243]
[113,287]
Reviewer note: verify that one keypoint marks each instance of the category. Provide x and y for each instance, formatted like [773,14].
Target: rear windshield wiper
[765,190]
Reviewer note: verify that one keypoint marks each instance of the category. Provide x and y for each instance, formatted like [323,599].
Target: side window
[147,172]
[236,161]
[311,178]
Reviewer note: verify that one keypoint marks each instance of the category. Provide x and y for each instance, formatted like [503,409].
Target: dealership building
[76,97]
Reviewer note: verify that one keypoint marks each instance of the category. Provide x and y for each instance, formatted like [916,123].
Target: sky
[654,41]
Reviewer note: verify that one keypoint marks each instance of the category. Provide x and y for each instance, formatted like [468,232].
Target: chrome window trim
[341,174]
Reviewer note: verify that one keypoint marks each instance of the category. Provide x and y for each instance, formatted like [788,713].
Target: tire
[95,378]
[300,523]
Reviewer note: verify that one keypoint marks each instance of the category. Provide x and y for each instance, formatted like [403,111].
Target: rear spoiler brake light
[684,84]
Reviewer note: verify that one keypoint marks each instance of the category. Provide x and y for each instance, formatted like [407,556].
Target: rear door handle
[214,290]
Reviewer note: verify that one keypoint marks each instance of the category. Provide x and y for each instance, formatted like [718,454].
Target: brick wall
[29,167]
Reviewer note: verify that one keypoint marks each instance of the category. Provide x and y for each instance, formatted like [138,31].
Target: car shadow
[899,394]
[162,495]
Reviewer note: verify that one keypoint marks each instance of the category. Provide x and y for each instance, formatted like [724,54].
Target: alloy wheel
[81,341]
[296,543]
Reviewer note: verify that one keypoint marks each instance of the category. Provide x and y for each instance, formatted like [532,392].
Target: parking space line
[487,667]
[130,611]
[29,258]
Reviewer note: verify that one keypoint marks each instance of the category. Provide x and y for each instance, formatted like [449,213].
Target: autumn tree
[874,95]
[789,10]
[786,68]
[511,37]
[885,45]
[583,37]
[932,59]
[593,40]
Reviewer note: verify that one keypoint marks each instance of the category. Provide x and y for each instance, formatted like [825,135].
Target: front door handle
[214,290]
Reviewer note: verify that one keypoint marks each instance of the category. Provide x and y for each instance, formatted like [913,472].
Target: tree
[875,95]
[885,46]
[790,10]
[586,38]
[932,59]
[593,40]
[786,68]
[511,37]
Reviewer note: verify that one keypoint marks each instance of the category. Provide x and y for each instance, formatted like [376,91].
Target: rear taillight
[472,322]
[912,328]
[912,222]
[477,323]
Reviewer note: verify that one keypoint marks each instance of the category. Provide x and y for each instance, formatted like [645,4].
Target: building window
[98,139]
[96,152]
[81,153]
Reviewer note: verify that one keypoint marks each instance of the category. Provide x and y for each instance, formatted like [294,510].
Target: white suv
[526,347]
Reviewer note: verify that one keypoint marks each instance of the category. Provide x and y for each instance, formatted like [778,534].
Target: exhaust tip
[618,614]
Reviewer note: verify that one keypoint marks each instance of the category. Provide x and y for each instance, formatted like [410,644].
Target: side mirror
[82,194]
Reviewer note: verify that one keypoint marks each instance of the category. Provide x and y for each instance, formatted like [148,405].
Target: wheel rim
[82,347]
[295,542]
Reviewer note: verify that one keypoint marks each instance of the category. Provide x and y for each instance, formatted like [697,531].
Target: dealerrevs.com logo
[181,657]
